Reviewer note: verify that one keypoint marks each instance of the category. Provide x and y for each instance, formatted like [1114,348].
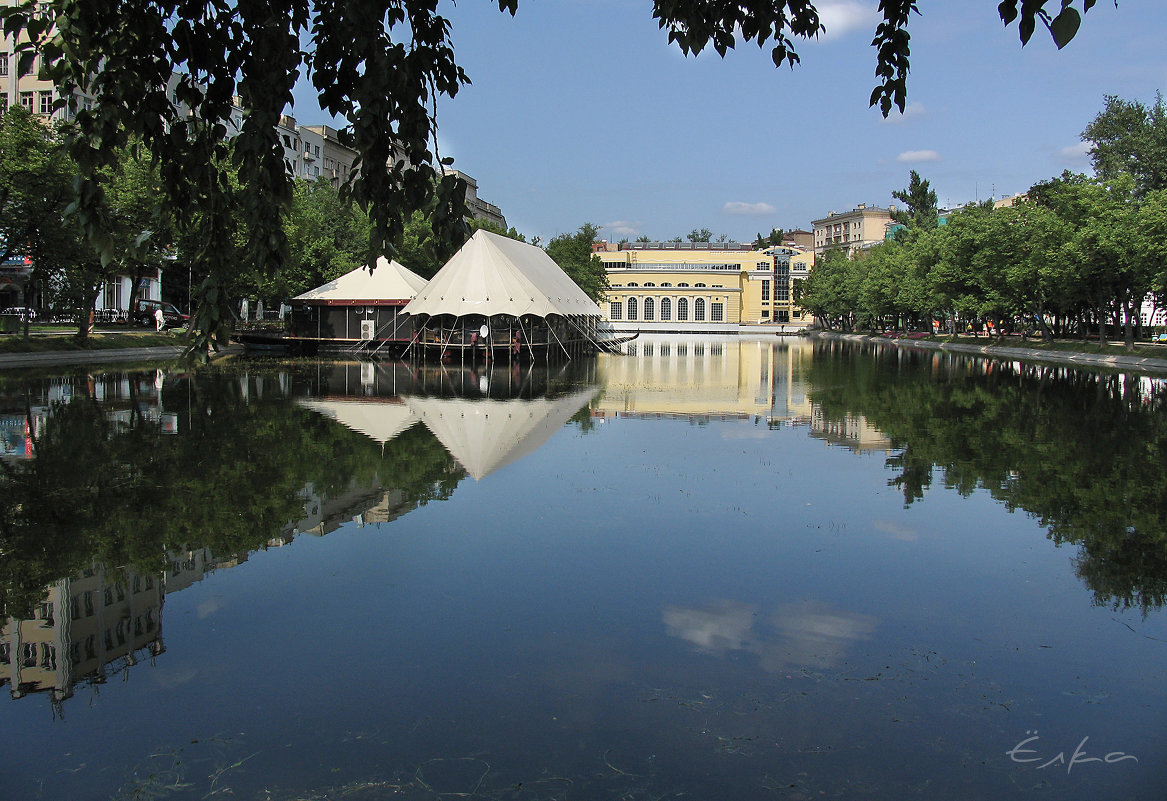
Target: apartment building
[862,227]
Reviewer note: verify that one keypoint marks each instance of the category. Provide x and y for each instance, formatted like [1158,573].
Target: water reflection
[1083,452]
[703,599]
[486,419]
[807,634]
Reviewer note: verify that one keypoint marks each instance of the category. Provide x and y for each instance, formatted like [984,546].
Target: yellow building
[700,286]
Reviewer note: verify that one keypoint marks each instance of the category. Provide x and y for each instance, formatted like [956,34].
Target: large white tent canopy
[391,283]
[493,274]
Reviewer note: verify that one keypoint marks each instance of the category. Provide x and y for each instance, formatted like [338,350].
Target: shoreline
[1143,364]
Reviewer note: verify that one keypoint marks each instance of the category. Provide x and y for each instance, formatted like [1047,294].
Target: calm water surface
[709,569]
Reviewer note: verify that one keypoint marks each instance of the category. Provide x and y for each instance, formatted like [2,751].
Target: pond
[710,568]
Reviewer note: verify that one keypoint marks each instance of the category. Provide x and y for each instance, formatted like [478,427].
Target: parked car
[23,312]
[143,314]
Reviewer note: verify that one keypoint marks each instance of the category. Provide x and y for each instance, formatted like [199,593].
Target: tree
[327,238]
[1128,137]
[702,235]
[141,228]
[772,240]
[168,72]
[573,253]
[921,212]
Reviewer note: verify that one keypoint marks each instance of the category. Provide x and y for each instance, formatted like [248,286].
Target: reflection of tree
[229,481]
[1081,452]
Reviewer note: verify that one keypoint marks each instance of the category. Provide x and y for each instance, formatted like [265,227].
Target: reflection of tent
[391,284]
[484,435]
[492,275]
[380,421]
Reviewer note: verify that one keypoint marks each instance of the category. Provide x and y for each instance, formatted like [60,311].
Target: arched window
[666,283]
[701,285]
[682,309]
[649,309]
[699,310]
[666,308]
[632,283]
[632,308]
[684,285]
[649,283]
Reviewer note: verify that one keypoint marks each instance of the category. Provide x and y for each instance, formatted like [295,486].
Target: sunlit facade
[699,286]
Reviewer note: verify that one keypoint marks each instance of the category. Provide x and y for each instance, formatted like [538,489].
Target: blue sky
[580,111]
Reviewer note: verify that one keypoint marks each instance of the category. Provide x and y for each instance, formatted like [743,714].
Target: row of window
[679,286]
[44,655]
[33,102]
[646,349]
[617,309]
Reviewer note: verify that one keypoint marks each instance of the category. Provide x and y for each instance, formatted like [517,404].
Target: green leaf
[1065,26]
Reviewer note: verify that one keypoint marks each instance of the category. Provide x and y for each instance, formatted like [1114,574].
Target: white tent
[493,274]
[380,421]
[484,435]
[391,283]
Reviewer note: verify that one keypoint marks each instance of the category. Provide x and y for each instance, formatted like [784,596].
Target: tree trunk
[85,316]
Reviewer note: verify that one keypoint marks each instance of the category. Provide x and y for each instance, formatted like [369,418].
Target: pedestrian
[159,320]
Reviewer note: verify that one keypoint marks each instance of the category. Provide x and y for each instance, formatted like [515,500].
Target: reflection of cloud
[209,607]
[896,531]
[811,633]
[172,679]
[804,634]
[722,626]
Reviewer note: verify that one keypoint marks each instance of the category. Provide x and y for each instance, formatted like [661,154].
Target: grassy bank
[45,341]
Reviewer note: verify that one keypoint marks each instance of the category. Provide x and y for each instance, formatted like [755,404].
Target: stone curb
[1145,364]
[51,358]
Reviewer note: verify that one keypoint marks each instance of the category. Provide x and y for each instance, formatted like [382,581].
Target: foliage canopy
[168,72]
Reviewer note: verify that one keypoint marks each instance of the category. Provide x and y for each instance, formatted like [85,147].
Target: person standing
[159,320]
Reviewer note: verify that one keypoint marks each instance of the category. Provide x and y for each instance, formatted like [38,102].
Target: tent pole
[527,339]
[560,341]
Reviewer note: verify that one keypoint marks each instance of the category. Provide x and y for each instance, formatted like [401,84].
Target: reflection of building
[87,626]
[852,431]
[123,396]
[698,286]
[363,505]
[705,377]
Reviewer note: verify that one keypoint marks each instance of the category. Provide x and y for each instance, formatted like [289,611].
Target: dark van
[143,314]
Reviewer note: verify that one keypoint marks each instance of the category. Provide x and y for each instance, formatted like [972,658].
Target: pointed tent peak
[391,280]
[493,274]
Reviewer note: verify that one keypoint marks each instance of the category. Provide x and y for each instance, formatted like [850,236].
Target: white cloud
[1076,152]
[917,156]
[842,17]
[621,228]
[913,109]
[750,209]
